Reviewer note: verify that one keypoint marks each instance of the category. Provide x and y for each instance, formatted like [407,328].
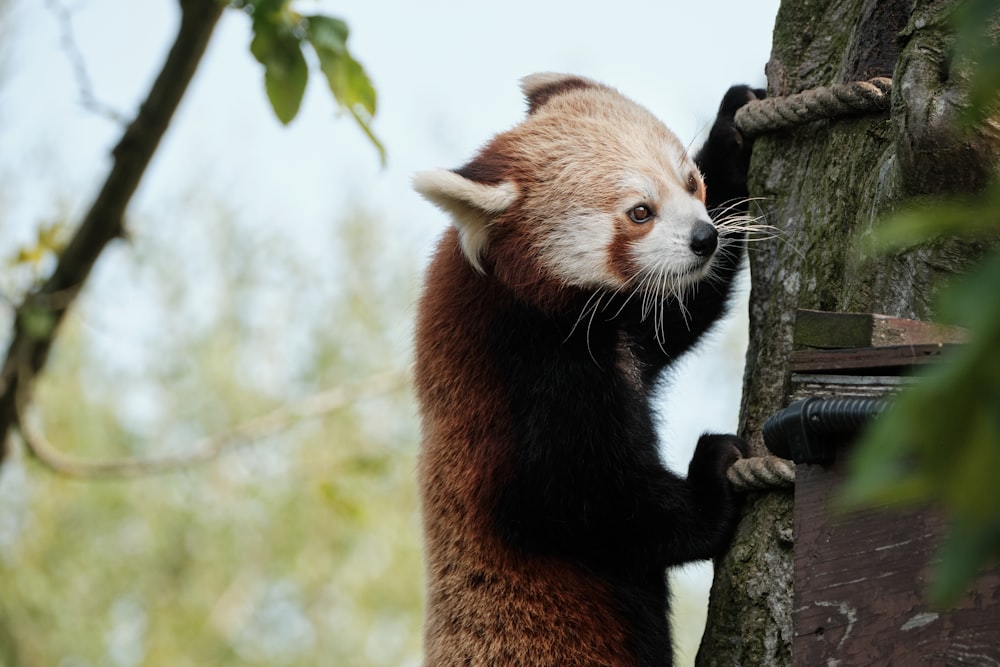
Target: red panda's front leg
[724,159]
[716,504]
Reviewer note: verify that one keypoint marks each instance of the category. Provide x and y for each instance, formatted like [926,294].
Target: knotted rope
[842,99]
[760,473]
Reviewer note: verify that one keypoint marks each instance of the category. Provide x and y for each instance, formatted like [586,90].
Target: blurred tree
[300,548]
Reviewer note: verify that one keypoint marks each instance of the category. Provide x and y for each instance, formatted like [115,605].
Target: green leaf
[928,447]
[939,443]
[326,33]
[276,46]
[349,83]
[883,469]
[971,301]
[346,77]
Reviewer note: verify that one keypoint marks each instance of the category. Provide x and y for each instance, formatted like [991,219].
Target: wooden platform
[860,582]
[860,579]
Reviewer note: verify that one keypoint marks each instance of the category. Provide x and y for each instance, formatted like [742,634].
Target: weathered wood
[903,331]
[822,329]
[859,583]
[819,328]
[899,357]
[805,385]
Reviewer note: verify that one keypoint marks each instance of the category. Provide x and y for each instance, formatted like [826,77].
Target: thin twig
[204,450]
[76,60]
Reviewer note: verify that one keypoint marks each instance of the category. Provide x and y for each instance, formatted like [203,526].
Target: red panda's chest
[628,365]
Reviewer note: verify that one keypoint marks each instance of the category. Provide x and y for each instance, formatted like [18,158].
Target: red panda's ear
[471,204]
[540,88]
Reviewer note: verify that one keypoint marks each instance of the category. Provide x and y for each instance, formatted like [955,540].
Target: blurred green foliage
[299,549]
[49,241]
[939,442]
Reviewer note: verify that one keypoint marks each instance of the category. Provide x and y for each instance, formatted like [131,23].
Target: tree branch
[39,316]
[206,449]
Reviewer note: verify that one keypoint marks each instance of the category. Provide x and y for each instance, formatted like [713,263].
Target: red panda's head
[589,191]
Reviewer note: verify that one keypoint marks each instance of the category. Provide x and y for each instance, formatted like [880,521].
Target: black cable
[808,430]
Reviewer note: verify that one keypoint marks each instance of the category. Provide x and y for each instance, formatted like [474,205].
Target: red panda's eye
[640,214]
[692,184]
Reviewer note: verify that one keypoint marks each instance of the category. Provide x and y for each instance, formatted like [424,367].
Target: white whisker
[583,313]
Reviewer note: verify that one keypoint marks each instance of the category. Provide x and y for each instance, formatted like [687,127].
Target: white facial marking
[641,188]
[577,249]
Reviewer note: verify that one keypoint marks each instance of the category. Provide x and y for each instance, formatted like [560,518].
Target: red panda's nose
[704,238]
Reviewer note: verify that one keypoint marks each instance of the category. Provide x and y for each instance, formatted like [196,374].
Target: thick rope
[843,99]
[761,473]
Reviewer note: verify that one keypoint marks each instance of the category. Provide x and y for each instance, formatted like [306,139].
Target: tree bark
[823,185]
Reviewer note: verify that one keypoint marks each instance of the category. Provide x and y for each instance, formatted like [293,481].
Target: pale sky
[446,72]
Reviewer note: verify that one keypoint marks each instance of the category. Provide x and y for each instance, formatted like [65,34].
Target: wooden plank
[859,582]
[822,329]
[818,328]
[901,331]
[899,357]
[804,385]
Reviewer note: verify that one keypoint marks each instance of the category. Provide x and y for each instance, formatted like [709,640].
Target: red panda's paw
[736,97]
[714,454]
[724,160]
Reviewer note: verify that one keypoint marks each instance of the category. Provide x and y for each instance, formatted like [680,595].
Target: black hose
[807,431]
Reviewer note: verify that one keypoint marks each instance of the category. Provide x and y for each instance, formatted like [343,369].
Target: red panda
[582,262]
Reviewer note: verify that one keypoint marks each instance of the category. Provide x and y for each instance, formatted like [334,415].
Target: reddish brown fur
[620,258]
[699,187]
[493,164]
[541,96]
[462,467]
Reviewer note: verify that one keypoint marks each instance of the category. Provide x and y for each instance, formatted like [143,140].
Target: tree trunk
[823,185]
